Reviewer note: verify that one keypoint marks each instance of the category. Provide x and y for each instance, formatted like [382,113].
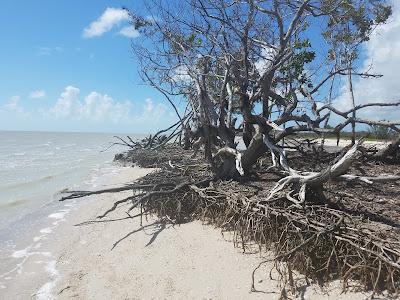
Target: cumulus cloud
[98,107]
[94,111]
[149,106]
[383,53]
[94,107]
[129,31]
[111,17]
[153,111]
[37,94]
[13,105]
[180,74]
[66,104]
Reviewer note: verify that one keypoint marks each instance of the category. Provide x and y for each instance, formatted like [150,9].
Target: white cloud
[43,51]
[153,111]
[13,105]
[154,115]
[110,18]
[94,111]
[148,106]
[180,74]
[267,55]
[46,51]
[93,107]
[151,19]
[66,104]
[383,52]
[37,94]
[99,107]
[129,31]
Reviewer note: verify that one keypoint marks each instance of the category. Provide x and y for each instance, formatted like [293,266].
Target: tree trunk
[353,103]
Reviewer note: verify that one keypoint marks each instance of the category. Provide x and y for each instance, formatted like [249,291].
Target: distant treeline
[375,132]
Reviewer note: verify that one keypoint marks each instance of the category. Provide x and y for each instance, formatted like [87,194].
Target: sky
[381,56]
[66,65]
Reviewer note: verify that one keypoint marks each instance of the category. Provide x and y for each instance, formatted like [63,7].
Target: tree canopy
[261,69]
[267,73]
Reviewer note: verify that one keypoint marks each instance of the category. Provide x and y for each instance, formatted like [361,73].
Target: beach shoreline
[29,244]
[120,258]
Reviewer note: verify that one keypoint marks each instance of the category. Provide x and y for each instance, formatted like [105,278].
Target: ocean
[34,168]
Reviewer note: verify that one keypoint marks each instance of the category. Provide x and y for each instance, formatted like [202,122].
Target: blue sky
[66,65]
[62,71]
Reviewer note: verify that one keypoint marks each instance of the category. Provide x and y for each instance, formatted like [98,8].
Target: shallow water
[34,166]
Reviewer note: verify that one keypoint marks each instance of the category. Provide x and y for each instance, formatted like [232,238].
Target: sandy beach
[345,142]
[117,258]
[200,149]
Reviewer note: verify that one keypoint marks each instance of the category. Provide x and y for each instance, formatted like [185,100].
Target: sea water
[35,167]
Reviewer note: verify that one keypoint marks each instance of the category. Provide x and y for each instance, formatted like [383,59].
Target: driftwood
[391,150]
[209,60]
[294,213]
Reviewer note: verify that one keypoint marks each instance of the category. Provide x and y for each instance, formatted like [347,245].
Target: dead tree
[260,63]
[255,60]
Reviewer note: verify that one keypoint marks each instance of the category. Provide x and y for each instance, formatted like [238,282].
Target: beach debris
[322,224]
[251,91]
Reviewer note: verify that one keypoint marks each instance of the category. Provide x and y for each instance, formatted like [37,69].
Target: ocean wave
[26,183]
[39,180]
[69,145]
[58,215]
[13,203]
[19,154]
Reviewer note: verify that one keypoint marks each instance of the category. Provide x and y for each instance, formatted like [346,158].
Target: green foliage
[303,56]
[382,13]
[190,38]
[350,24]
[302,44]
[193,41]
[380,132]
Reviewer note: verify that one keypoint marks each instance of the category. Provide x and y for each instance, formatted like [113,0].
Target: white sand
[345,142]
[190,261]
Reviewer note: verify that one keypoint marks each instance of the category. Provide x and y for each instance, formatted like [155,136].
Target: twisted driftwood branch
[305,232]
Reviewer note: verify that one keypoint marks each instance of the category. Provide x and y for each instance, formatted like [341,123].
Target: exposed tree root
[315,233]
